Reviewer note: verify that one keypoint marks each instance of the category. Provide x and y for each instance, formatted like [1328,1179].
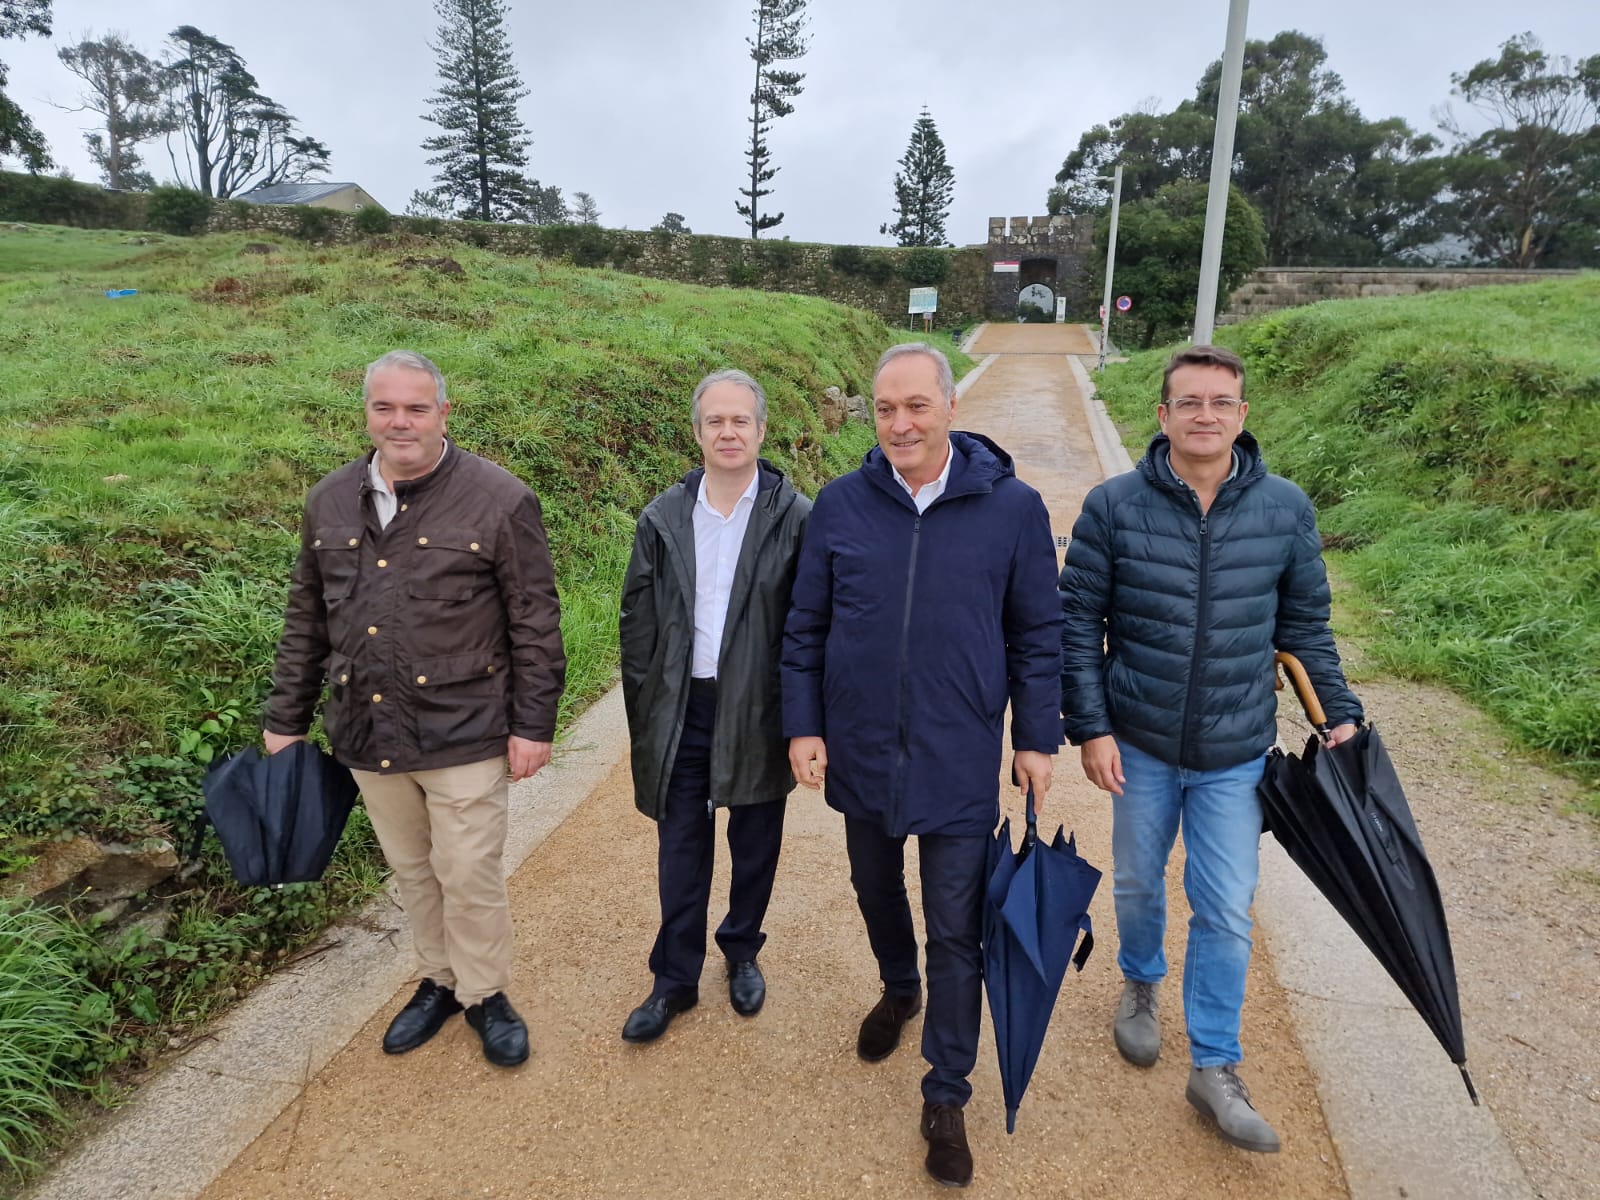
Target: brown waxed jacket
[438,636]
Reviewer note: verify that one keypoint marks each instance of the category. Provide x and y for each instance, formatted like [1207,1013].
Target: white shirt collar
[382,484]
[749,494]
[937,484]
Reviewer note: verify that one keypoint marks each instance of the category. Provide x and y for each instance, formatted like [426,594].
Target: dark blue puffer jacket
[907,636]
[1170,618]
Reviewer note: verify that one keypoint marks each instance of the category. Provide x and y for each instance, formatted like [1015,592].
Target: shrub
[743,273]
[849,259]
[781,257]
[424,226]
[925,266]
[877,268]
[47,200]
[313,224]
[373,220]
[180,211]
[699,258]
[475,233]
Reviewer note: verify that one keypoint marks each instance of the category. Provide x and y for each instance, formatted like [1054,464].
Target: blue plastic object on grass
[118,293]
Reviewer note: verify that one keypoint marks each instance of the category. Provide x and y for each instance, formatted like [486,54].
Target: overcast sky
[643,103]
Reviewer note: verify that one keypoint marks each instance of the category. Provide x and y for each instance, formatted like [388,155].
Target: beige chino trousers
[444,834]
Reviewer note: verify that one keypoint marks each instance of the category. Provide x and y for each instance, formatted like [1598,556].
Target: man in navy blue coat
[923,602]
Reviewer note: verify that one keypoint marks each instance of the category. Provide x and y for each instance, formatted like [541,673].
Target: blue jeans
[1221,819]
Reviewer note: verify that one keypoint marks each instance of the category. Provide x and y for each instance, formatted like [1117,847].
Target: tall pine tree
[779,25]
[482,153]
[923,189]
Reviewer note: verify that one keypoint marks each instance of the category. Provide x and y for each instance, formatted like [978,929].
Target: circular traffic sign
[1124,303]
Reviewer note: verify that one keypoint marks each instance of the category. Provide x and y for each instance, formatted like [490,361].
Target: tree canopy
[19,136]
[923,189]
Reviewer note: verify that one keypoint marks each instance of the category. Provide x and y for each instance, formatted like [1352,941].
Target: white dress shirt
[384,502]
[717,540]
[928,492]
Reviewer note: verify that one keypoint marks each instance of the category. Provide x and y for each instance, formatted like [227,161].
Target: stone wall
[1274,288]
[1063,241]
[872,278]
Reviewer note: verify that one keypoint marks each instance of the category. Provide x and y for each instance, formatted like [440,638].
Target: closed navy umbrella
[1341,815]
[1036,905]
[279,816]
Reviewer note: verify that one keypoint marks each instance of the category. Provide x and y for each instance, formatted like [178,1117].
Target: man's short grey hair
[728,376]
[941,364]
[408,360]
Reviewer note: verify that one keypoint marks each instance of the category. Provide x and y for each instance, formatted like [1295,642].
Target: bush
[742,273]
[925,266]
[849,259]
[700,257]
[424,226]
[314,224]
[373,220]
[877,268]
[47,200]
[180,211]
[782,257]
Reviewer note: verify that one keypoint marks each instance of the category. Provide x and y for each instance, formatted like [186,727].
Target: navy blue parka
[1171,616]
[908,635]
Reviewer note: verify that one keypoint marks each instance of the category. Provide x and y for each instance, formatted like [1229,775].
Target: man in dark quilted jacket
[1182,578]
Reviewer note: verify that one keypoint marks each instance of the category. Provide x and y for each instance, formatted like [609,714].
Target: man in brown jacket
[425,600]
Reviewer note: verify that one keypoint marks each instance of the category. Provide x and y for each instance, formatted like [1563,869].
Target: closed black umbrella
[1036,904]
[279,816]
[1341,815]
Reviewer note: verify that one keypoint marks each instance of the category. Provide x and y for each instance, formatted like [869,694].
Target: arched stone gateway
[1034,260]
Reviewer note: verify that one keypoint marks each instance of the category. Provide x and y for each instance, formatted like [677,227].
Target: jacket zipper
[1199,636]
[903,749]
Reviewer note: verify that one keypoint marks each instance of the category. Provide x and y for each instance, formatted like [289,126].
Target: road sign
[924,300]
[1124,303]
[1008,267]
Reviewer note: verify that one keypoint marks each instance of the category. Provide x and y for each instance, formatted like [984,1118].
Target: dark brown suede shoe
[880,1032]
[949,1159]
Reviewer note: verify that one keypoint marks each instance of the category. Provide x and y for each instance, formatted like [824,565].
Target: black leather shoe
[747,990]
[505,1037]
[880,1032]
[650,1020]
[423,1016]
[949,1158]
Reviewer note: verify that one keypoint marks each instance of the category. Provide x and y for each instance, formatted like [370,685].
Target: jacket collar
[976,463]
[1249,466]
[412,488]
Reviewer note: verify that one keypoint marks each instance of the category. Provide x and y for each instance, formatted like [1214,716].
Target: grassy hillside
[155,451]
[1450,444]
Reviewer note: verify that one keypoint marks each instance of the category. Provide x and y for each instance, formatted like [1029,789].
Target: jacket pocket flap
[456,668]
[337,537]
[341,669]
[463,540]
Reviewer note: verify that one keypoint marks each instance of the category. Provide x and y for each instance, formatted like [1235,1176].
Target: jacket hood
[1252,467]
[978,463]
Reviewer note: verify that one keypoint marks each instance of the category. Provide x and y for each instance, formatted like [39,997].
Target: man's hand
[280,741]
[525,757]
[1033,768]
[1341,733]
[1102,763]
[808,759]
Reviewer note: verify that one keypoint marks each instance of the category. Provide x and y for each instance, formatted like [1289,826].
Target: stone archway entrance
[1036,295]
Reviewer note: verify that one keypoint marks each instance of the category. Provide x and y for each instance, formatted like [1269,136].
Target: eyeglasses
[1193,406]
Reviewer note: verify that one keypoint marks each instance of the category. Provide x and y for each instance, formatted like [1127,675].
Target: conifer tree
[923,189]
[482,153]
[779,38]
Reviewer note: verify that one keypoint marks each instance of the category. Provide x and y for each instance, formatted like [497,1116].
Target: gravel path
[779,1104]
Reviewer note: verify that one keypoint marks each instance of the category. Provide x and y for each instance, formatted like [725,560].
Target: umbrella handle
[1032,834]
[1301,682]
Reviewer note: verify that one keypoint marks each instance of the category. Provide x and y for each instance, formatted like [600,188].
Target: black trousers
[953,876]
[687,844]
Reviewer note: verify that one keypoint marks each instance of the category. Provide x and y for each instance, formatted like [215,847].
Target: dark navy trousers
[953,876]
[687,842]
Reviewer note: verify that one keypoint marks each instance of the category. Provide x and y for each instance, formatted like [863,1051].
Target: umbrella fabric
[279,816]
[1341,814]
[1036,905]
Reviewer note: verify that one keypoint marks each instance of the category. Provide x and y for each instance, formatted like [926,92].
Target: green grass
[155,452]
[51,1020]
[1449,443]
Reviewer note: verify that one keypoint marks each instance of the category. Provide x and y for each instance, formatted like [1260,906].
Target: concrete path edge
[184,1126]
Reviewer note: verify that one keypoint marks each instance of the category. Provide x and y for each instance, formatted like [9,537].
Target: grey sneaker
[1138,1024]
[1220,1094]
